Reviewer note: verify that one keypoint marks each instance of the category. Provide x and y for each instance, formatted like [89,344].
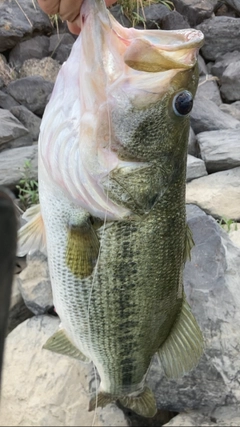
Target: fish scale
[112,169]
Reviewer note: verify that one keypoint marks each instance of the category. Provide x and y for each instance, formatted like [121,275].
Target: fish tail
[143,404]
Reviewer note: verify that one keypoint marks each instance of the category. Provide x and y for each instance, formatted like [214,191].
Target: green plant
[28,187]
[227,223]
[131,9]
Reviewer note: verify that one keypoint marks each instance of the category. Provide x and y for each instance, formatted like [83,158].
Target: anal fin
[31,236]
[183,348]
[82,246]
[60,343]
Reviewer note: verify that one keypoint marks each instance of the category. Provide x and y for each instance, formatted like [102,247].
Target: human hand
[68,10]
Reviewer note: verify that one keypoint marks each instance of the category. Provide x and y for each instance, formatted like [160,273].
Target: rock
[190,419]
[226,416]
[160,16]
[12,163]
[203,71]
[174,21]
[233,230]
[7,74]
[43,388]
[32,92]
[28,119]
[211,284]
[60,46]
[47,68]
[195,168]
[20,20]
[195,11]
[12,133]
[193,147]
[35,285]
[234,4]
[18,312]
[230,87]
[223,62]
[7,101]
[217,194]
[220,42]
[231,109]
[220,149]
[116,11]
[208,88]
[206,116]
[36,47]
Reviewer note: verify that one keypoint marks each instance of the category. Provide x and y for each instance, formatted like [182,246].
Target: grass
[28,187]
[131,9]
[227,224]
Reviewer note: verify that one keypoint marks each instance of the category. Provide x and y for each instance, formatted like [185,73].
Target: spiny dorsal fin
[82,246]
[189,243]
[32,235]
[60,343]
[183,348]
[144,404]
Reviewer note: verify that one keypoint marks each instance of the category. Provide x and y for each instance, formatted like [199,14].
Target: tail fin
[32,235]
[143,404]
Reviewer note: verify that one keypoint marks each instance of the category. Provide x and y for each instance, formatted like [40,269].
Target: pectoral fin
[82,246]
[189,243]
[60,343]
[32,235]
[183,348]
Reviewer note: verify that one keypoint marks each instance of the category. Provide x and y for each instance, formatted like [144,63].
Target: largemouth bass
[112,167]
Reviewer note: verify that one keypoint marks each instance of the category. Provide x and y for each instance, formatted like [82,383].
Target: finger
[69,9]
[51,7]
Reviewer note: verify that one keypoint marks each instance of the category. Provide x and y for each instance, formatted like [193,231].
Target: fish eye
[182,103]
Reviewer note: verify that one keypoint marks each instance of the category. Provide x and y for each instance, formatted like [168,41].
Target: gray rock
[18,312]
[231,109]
[60,46]
[211,285]
[7,74]
[193,147]
[159,16]
[223,62]
[230,87]
[116,11]
[206,116]
[28,119]
[234,4]
[12,163]
[35,285]
[220,149]
[203,71]
[20,20]
[208,88]
[190,419]
[195,11]
[174,21]
[12,133]
[7,101]
[217,194]
[43,388]
[219,42]
[37,47]
[195,168]
[47,68]
[32,92]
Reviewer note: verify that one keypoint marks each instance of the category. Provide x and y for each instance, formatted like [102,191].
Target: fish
[8,238]
[111,170]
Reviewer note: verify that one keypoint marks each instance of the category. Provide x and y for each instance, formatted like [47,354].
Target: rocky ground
[41,388]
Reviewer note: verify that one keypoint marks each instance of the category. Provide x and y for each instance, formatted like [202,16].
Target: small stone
[28,119]
[32,92]
[12,164]
[195,11]
[206,116]
[47,68]
[234,4]
[220,149]
[12,133]
[36,47]
[230,87]
[208,88]
[60,46]
[220,42]
[174,21]
[195,168]
[35,285]
[217,194]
